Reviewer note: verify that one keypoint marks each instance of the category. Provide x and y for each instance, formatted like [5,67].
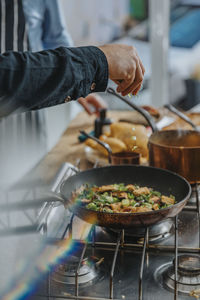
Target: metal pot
[175,150]
[178,151]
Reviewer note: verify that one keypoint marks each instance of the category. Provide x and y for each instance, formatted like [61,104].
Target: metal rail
[150,247]
[49,286]
[176,259]
[78,269]
[114,263]
[142,264]
[198,206]
[69,296]
[93,237]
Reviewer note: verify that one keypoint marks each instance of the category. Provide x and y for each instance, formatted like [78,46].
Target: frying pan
[162,180]
[175,150]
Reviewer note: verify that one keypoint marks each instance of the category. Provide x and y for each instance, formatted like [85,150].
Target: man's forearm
[36,80]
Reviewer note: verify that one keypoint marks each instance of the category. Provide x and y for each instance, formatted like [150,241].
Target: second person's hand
[125,67]
[92,104]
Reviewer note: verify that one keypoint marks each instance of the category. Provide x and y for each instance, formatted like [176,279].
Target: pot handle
[105,145]
[180,115]
[142,111]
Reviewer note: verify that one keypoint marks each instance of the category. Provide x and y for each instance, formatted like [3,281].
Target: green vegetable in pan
[121,198]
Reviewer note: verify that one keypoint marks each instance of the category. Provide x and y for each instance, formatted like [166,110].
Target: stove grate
[144,248]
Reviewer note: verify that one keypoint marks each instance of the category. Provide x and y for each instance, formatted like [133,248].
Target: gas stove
[161,262]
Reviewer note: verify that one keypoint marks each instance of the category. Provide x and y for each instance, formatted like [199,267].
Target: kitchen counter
[69,149]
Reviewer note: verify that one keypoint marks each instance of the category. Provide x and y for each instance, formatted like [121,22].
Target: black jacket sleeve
[36,80]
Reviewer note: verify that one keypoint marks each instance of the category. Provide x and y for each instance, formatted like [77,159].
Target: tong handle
[180,115]
[142,111]
[105,145]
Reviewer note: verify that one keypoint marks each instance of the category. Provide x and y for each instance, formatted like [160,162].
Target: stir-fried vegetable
[120,198]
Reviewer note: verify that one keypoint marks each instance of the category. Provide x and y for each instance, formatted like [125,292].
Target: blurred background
[166,35]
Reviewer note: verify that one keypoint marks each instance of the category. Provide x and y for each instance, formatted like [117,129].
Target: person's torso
[23,140]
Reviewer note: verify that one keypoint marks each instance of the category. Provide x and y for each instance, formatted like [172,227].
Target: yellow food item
[123,137]
[115,144]
[106,134]
[94,145]
[134,136]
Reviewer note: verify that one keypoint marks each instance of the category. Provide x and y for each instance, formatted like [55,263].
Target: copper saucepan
[175,150]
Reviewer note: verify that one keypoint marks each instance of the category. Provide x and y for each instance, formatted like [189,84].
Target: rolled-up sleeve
[37,80]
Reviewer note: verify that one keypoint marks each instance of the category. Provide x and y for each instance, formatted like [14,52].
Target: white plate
[93,156]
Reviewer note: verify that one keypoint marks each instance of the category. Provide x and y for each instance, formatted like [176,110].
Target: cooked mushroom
[116,206]
[141,191]
[143,209]
[120,195]
[156,206]
[85,200]
[167,200]
[104,188]
[131,187]
[155,199]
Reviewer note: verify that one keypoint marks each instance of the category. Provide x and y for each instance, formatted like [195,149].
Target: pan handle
[180,115]
[105,145]
[49,197]
[142,111]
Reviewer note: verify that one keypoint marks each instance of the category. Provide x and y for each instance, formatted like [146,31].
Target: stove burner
[188,277]
[189,265]
[157,232]
[66,272]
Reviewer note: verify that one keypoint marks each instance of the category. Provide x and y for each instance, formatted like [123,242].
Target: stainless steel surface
[63,173]
[156,233]
[131,268]
[188,280]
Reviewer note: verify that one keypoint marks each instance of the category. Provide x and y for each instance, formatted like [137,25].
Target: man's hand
[92,104]
[125,68]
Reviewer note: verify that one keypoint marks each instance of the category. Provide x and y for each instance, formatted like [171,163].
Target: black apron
[13,31]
